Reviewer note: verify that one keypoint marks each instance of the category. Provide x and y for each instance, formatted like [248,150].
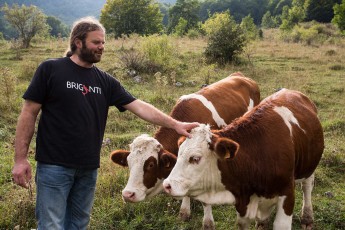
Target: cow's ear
[167,159]
[120,157]
[226,148]
[181,140]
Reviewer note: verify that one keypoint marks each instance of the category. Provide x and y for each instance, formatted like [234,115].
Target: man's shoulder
[53,61]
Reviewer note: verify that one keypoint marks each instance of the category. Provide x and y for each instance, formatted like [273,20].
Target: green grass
[273,64]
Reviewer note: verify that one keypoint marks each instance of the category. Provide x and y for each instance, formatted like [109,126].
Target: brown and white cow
[150,160]
[255,161]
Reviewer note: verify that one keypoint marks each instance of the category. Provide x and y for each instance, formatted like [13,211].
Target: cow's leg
[208,221]
[264,212]
[307,217]
[283,220]
[243,223]
[185,209]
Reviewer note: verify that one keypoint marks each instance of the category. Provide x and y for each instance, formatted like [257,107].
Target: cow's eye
[151,165]
[194,160]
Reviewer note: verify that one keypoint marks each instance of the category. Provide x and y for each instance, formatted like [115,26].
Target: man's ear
[181,140]
[78,43]
[120,157]
[225,148]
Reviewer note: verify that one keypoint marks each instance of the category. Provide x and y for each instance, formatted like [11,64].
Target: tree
[339,16]
[27,20]
[226,38]
[269,21]
[131,16]
[294,15]
[180,28]
[320,10]
[248,26]
[186,9]
[58,29]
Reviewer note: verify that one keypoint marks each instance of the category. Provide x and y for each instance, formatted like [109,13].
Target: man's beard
[88,55]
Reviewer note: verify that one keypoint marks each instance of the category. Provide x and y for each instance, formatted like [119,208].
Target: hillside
[68,11]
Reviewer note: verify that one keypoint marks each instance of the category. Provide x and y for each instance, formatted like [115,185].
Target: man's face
[93,47]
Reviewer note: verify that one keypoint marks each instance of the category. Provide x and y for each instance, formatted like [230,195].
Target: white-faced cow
[150,160]
[255,161]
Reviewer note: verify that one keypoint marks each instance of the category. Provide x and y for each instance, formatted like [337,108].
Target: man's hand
[183,128]
[21,173]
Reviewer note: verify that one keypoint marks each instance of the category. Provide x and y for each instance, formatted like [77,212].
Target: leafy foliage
[292,16]
[339,16]
[187,10]
[159,50]
[249,28]
[269,21]
[181,27]
[58,29]
[226,38]
[131,16]
[320,11]
[28,21]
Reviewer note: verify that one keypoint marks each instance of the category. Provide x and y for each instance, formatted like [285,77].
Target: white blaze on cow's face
[196,173]
[143,158]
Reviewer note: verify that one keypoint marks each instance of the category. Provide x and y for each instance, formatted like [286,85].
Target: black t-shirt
[75,103]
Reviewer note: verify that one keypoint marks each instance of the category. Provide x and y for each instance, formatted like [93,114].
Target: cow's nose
[167,188]
[128,195]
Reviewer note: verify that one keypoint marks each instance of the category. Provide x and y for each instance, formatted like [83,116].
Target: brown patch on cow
[150,172]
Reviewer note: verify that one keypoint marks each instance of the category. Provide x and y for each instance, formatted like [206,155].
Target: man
[73,96]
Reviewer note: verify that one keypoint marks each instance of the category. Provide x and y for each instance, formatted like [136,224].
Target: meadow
[316,69]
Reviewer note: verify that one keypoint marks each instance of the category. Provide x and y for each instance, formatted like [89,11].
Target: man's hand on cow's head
[183,128]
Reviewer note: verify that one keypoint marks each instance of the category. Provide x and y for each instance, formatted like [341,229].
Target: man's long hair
[80,30]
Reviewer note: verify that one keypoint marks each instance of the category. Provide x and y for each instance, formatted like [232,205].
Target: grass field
[318,70]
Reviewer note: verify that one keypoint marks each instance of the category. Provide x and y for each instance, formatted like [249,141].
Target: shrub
[225,44]
[181,27]
[159,50]
[249,28]
[193,34]
[133,60]
[8,84]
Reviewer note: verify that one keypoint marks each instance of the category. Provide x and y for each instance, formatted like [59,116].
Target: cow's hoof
[184,216]
[307,226]
[208,225]
[262,224]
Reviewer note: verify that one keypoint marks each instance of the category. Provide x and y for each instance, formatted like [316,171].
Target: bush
[225,44]
[310,33]
[133,60]
[193,34]
[159,50]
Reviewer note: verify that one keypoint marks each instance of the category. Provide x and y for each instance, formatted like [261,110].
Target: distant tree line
[189,14]
[229,24]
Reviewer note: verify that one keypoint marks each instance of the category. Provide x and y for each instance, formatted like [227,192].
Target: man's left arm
[153,115]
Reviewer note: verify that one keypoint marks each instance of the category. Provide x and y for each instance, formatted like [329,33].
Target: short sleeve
[119,95]
[37,90]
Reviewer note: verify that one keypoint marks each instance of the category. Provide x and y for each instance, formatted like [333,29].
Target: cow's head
[148,165]
[196,169]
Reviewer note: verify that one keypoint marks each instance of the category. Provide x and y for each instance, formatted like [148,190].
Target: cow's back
[231,97]
[308,140]
[282,130]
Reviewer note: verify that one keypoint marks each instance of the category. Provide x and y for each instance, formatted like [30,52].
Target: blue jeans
[64,197]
